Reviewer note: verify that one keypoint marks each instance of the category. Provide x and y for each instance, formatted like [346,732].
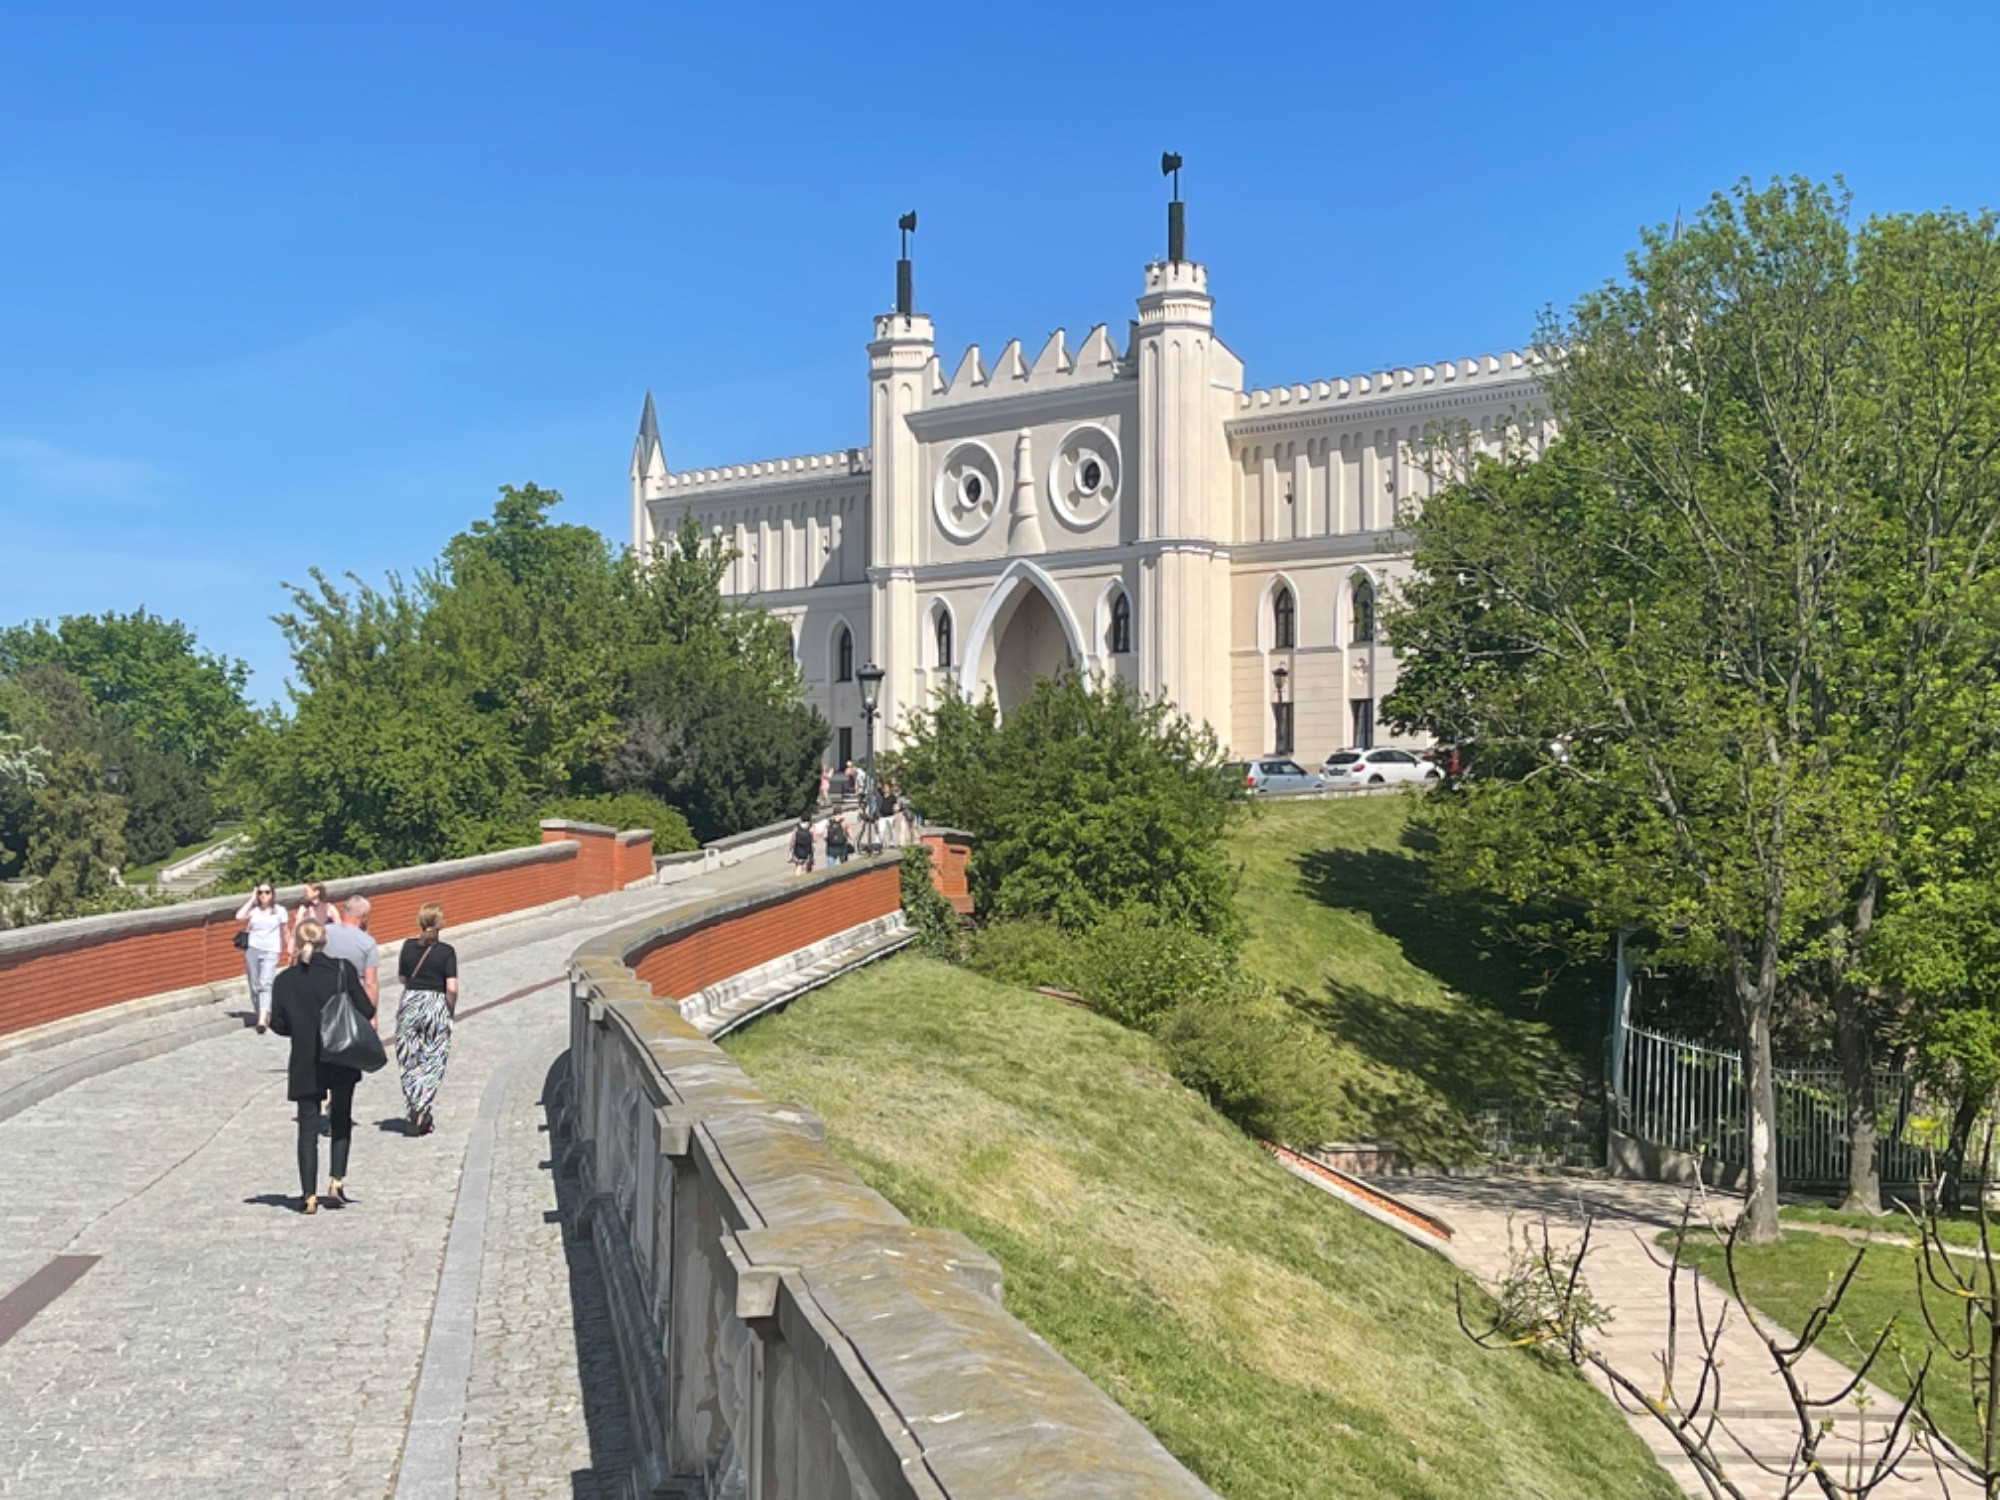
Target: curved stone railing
[784,1332]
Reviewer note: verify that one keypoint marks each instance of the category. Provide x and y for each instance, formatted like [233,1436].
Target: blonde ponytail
[311,940]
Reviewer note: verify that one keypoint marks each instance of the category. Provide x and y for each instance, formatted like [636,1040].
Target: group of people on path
[885,817]
[299,962]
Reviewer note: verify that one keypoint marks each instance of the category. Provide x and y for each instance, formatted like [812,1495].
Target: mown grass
[1278,1343]
[1431,1015]
[1786,1280]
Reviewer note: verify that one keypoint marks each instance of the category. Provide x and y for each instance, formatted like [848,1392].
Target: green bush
[1257,1060]
[1086,798]
[1025,952]
[1134,965]
[935,919]
[628,810]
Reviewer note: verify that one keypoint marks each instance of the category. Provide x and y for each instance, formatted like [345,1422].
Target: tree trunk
[1951,1188]
[1760,1191]
[1854,1029]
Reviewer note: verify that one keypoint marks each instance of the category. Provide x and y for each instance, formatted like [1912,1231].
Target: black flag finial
[1170,166]
[905,283]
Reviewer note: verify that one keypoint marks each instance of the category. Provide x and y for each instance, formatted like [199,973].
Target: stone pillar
[902,363]
[1187,382]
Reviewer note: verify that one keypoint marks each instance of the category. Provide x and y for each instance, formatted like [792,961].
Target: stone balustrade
[784,1332]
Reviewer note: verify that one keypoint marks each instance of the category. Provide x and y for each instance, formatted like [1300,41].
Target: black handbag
[346,1040]
[242,941]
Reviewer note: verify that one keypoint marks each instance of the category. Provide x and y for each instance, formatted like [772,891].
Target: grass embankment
[1430,1015]
[1278,1343]
[1785,1281]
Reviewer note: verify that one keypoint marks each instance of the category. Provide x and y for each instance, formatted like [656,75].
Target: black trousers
[341,1109]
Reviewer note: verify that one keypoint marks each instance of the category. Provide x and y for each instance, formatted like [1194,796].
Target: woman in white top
[270,943]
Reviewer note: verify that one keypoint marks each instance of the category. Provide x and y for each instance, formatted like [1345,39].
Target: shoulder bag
[346,1040]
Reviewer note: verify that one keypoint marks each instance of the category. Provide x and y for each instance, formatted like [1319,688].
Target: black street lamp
[870,678]
[1281,711]
[114,778]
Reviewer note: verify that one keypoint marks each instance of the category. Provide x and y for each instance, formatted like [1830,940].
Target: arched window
[843,670]
[1364,611]
[944,638]
[1284,620]
[1121,624]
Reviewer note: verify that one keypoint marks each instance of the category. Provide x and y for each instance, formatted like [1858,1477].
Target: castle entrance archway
[1024,631]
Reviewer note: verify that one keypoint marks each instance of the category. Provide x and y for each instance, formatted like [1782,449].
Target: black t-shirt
[422,968]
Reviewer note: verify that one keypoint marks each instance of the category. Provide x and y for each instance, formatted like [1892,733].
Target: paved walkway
[224,1345]
[1627,1217]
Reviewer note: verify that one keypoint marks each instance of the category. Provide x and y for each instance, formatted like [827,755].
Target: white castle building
[1130,510]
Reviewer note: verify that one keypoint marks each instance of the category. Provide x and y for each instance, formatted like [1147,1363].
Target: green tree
[531,617]
[362,779]
[182,701]
[77,835]
[1085,800]
[1699,642]
[703,732]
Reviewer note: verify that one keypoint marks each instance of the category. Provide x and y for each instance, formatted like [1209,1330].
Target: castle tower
[1187,386]
[902,368]
[649,478]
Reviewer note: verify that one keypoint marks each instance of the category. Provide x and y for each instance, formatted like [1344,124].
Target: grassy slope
[1278,1343]
[1431,1017]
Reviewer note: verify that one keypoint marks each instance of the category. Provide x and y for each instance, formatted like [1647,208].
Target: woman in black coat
[296,1000]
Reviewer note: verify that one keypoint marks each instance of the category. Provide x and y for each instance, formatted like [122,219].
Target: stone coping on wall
[77,932]
[899,1333]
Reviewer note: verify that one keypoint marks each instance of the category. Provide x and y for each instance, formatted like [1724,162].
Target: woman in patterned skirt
[429,971]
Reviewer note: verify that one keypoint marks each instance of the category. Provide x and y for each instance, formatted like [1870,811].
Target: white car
[1352,768]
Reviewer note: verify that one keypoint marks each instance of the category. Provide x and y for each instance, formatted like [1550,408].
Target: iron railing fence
[1692,1098]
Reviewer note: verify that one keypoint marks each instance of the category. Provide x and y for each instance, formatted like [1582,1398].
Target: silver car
[1274,773]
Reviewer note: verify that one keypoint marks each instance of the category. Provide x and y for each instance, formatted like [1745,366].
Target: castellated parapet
[1510,367]
[848,461]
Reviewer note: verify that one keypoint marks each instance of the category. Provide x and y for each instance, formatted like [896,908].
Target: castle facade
[1128,510]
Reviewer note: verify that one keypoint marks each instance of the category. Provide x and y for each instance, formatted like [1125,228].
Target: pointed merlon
[1009,365]
[1097,352]
[970,372]
[1053,360]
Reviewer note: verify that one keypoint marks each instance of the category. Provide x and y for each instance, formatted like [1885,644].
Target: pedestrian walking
[802,846]
[428,967]
[266,941]
[825,780]
[314,907]
[838,846]
[349,939]
[300,994]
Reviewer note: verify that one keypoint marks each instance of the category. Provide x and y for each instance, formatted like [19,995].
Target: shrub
[1085,799]
[935,919]
[628,810]
[1134,965]
[1257,1060]
[1025,952]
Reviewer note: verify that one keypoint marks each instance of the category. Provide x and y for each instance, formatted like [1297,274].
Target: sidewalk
[1627,1218]
[224,1345]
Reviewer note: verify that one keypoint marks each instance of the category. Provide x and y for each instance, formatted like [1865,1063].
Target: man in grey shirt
[349,939]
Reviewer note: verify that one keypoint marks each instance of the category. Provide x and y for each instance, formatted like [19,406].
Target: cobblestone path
[224,1345]
[1627,1217]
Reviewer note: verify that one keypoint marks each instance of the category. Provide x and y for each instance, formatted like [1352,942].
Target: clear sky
[291,285]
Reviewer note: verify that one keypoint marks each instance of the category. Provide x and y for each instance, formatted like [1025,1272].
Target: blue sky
[284,286]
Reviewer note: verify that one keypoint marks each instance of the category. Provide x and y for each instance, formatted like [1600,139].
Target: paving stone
[224,1345]
[1488,1214]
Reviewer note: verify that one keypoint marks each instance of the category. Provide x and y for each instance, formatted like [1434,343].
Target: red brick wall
[689,961]
[67,968]
[634,851]
[949,853]
[597,861]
